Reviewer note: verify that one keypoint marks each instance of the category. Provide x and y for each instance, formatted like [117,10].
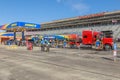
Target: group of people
[45,45]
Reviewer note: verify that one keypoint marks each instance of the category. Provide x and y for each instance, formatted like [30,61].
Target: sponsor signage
[92,15]
[24,25]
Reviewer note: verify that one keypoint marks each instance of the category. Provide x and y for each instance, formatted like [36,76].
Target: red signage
[92,15]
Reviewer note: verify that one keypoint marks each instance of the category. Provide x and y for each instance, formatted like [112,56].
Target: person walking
[42,45]
[115,52]
[47,45]
[64,43]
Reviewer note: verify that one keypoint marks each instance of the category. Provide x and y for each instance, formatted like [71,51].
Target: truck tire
[107,47]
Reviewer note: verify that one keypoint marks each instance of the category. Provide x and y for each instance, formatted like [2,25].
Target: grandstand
[99,21]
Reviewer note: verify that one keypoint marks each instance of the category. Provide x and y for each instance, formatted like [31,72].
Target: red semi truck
[89,38]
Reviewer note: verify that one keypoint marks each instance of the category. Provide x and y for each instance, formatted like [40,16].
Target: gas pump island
[21,27]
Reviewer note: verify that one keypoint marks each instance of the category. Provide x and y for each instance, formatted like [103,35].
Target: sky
[40,11]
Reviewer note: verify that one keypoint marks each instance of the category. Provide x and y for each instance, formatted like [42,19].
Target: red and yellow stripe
[4,26]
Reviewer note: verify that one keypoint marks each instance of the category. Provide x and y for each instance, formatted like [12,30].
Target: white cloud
[80,7]
[58,1]
[75,5]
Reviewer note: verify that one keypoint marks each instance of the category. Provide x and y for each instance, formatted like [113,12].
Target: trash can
[30,46]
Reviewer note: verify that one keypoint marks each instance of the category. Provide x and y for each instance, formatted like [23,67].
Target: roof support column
[23,36]
[14,35]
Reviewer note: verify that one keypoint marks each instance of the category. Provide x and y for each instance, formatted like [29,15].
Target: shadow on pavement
[118,56]
[107,58]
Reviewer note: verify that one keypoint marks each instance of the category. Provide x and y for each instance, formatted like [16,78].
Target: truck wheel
[107,47]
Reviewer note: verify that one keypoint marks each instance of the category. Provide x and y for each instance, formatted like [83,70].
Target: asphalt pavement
[58,64]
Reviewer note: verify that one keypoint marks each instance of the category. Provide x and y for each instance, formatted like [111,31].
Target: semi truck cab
[89,37]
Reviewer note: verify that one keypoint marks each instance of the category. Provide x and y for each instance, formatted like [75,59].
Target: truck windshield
[107,34]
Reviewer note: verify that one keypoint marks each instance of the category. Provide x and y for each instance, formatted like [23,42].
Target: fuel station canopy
[22,26]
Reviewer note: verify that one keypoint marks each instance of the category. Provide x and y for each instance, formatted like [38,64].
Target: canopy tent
[65,36]
[73,36]
[1,33]
[49,37]
[7,35]
[59,37]
[3,27]
[4,37]
[70,36]
[10,36]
